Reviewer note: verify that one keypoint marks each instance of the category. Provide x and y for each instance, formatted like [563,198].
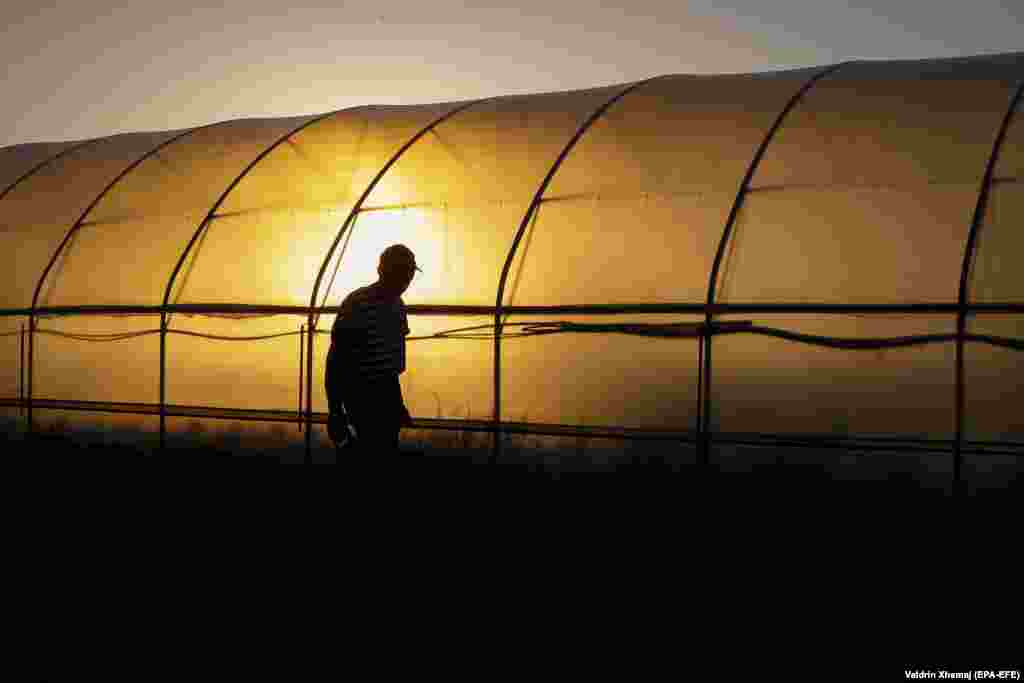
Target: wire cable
[680,330]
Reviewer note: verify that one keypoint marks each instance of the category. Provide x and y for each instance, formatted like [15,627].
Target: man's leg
[376,419]
[390,414]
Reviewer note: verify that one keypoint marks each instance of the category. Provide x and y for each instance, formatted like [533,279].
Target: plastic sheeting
[993,384]
[864,195]
[37,214]
[875,170]
[652,181]
[19,161]
[995,275]
[772,385]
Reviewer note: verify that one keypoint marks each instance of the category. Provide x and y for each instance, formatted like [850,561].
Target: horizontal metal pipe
[582,309]
[808,440]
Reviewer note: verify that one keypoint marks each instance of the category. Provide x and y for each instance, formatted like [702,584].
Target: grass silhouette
[437,450]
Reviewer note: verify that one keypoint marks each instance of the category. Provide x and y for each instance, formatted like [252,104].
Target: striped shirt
[368,336]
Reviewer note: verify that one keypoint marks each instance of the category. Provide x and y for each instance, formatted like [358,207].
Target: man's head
[397,267]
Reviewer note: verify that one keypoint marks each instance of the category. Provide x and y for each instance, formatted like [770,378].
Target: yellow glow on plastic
[376,230]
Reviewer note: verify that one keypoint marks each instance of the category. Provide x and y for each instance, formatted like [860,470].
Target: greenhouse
[714,266]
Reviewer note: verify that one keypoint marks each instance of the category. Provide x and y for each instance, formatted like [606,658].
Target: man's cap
[398,255]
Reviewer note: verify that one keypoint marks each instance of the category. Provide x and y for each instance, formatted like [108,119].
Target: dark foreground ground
[758,472]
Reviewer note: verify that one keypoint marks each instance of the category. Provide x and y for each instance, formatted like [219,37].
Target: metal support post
[31,374]
[730,223]
[163,381]
[310,350]
[977,218]
[302,363]
[21,370]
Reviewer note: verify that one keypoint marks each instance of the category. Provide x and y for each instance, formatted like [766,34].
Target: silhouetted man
[366,357]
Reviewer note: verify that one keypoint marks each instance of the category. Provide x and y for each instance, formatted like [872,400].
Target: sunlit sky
[76,69]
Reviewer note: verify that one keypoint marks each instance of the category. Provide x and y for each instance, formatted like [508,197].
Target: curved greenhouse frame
[819,257]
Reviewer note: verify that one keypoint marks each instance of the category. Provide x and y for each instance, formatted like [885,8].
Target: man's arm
[339,357]
[405,418]
[332,381]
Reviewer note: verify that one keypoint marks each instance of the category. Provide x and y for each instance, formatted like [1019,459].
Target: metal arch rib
[311,326]
[357,207]
[188,248]
[534,203]
[983,193]
[227,191]
[741,192]
[980,207]
[704,372]
[74,228]
[32,308]
[98,198]
[44,163]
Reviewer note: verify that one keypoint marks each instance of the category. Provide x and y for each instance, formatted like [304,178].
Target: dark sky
[85,68]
